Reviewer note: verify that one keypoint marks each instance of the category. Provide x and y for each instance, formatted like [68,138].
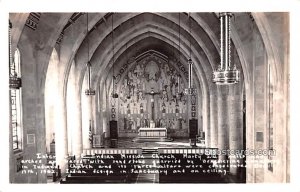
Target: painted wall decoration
[150,90]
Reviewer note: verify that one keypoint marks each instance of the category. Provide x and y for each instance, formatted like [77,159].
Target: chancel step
[149,151]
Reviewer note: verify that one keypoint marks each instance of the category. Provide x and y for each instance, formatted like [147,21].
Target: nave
[149,83]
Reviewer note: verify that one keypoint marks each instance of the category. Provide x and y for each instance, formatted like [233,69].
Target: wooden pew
[104,166]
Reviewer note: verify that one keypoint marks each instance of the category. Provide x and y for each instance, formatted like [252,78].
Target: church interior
[149,97]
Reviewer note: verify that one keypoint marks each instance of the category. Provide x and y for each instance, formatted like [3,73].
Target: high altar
[152,131]
[147,132]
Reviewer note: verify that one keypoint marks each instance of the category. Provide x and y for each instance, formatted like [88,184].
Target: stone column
[61,130]
[213,121]
[203,113]
[90,117]
[61,138]
[223,120]
[77,132]
[71,108]
[77,147]
[93,112]
[98,109]
[105,113]
[235,126]
[87,121]
[40,133]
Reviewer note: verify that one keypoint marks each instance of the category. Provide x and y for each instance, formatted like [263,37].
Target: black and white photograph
[155,97]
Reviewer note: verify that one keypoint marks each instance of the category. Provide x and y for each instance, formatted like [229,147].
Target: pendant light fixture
[226,72]
[114,94]
[179,92]
[15,82]
[190,90]
[89,90]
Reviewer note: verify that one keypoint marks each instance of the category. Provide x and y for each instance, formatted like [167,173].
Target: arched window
[16,103]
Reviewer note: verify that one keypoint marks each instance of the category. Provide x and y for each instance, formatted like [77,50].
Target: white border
[291,6]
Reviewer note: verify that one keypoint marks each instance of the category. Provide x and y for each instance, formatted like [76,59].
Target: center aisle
[150,165]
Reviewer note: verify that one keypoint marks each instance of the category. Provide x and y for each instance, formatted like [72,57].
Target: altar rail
[187,150]
[112,151]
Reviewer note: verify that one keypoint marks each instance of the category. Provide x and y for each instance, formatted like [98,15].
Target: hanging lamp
[15,82]
[226,72]
[114,94]
[190,90]
[179,93]
[89,91]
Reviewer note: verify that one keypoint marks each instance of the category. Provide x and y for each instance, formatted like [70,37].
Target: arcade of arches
[149,63]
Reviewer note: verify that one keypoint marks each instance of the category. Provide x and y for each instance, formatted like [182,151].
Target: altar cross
[152,93]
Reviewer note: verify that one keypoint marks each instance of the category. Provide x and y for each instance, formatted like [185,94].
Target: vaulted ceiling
[171,34]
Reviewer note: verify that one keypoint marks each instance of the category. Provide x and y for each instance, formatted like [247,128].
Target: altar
[153,132]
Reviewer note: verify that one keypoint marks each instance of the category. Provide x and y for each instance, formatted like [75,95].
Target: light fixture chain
[88,51]
[229,42]
[222,42]
[190,36]
[179,36]
[89,91]
[11,67]
[87,31]
[113,49]
[226,42]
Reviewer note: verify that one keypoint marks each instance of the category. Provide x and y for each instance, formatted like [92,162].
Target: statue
[152,70]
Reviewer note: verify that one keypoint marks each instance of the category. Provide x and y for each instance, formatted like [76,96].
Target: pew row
[104,166]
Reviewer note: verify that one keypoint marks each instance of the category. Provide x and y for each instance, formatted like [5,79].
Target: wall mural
[151,90]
